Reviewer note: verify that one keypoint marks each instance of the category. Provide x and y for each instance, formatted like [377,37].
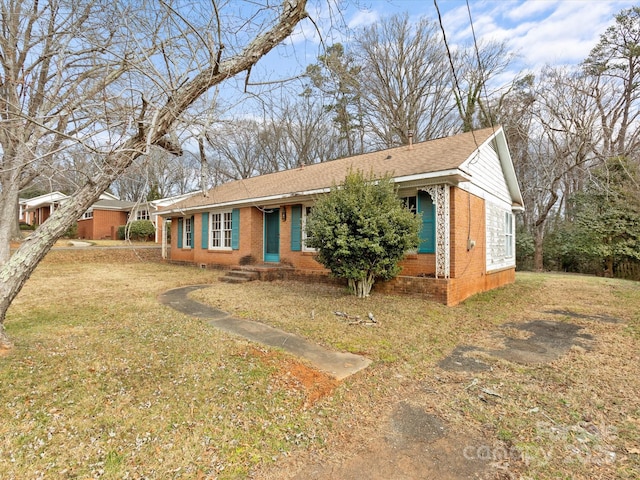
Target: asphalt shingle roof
[439,155]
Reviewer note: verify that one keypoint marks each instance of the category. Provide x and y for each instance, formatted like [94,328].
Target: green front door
[272,235]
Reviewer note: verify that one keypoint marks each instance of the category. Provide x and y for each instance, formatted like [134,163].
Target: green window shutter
[180,233]
[235,229]
[296,228]
[193,231]
[428,229]
[205,231]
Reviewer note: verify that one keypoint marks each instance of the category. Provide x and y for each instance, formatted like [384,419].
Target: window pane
[221,224]
[227,229]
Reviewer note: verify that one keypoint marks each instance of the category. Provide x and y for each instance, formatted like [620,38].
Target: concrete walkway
[337,364]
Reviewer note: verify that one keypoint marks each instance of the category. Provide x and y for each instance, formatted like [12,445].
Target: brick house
[102,219]
[464,187]
[34,211]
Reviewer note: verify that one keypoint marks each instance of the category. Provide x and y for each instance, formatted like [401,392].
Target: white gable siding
[487,175]
[488,182]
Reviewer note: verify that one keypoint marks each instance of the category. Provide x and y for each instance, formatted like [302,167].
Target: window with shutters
[221,229]
[188,232]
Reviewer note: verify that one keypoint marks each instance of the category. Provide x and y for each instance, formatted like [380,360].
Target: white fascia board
[508,168]
[444,175]
[166,201]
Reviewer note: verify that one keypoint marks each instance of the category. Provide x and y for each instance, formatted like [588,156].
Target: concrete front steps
[264,271]
[240,276]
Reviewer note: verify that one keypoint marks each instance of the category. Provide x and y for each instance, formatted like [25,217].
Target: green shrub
[362,230]
[72,231]
[26,226]
[137,230]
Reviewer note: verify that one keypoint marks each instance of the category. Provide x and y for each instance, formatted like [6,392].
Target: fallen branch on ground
[356,320]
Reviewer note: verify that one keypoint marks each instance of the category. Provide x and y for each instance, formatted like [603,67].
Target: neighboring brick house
[102,219]
[464,186]
[34,211]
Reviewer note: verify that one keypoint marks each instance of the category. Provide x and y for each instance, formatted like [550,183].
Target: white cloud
[540,32]
[363,18]
[527,9]
[565,36]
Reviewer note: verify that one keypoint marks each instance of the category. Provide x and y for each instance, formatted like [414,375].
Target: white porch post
[440,197]
[164,237]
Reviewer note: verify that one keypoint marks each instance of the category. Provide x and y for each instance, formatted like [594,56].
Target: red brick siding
[85,228]
[467,265]
[103,225]
[435,289]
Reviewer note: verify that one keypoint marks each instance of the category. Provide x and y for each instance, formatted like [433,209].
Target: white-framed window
[410,203]
[508,234]
[306,213]
[221,227]
[142,215]
[87,215]
[188,232]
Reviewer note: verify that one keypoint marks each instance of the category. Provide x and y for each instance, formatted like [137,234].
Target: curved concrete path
[337,364]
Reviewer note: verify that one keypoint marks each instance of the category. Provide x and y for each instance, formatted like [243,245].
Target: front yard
[106,382]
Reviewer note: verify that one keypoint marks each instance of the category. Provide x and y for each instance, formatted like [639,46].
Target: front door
[272,235]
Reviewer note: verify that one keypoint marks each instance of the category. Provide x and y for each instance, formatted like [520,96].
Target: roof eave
[453,177]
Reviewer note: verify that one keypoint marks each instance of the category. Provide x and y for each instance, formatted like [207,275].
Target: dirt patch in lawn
[412,443]
[295,375]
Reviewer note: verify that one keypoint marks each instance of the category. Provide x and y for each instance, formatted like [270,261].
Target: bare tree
[184,59]
[58,60]
[234,149]
[308,134]
[477,67]
[553,124]
[406,81]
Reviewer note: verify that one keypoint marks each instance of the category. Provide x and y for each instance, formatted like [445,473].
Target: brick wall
[106,223]
[468,263]
[103,225]
[85,228]
[435,289]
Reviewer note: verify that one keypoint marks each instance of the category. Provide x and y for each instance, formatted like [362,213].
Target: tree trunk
[8,218]
[538,252]
[361,288]
[15,230]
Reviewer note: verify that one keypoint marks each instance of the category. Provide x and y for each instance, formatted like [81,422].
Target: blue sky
[554,32]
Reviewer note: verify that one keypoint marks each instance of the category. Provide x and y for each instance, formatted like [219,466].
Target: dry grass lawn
[104,382]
